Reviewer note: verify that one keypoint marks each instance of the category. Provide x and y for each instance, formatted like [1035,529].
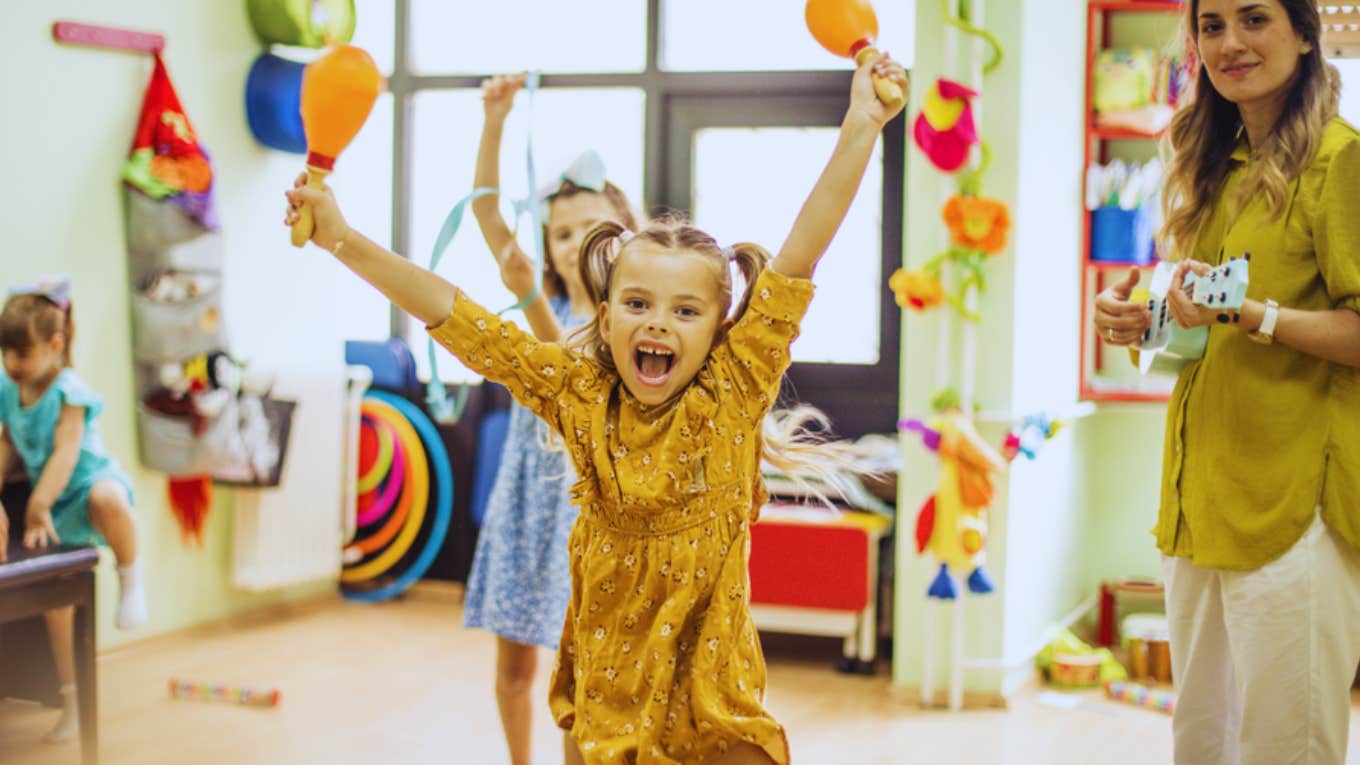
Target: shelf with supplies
[1132,85]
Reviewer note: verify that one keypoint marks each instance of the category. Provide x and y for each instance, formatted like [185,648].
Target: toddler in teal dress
[80,495]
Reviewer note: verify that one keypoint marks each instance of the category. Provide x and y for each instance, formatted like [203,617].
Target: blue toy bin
[1122,236]
[273,103]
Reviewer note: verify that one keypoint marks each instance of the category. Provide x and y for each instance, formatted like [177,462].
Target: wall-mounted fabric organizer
[198,412]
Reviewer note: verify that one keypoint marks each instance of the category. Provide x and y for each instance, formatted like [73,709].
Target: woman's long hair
[1204,132]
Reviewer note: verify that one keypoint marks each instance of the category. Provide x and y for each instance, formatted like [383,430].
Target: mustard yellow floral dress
[659,662]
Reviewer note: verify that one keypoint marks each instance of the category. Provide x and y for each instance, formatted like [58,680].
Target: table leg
[87,692]
[868,629]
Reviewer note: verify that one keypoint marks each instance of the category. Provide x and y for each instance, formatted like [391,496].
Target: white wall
[68,123]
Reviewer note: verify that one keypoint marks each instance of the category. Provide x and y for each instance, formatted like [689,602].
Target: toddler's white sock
[131,596]
[68,725]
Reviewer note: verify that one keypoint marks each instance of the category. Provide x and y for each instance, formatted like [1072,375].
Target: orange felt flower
[978,223]
[917,290]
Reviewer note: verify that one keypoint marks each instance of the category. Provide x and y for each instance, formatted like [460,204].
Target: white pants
[1263,660]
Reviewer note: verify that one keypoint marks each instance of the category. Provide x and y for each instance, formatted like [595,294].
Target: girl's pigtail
[598,251]
[750,259]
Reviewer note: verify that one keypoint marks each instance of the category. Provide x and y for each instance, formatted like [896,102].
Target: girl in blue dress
[80,495]
[520,580]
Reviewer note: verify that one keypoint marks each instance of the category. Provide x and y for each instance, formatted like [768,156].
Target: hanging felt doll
[952,524]
[944,129]
[168,173]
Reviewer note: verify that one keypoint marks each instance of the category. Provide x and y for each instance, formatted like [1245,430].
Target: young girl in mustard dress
[662,402]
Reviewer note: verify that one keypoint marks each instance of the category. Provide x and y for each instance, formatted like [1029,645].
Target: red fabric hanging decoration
[167,161]
[190,500]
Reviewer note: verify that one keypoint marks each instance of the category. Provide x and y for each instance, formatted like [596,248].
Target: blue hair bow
[55,288]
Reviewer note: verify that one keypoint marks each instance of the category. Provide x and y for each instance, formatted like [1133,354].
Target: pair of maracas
[339,88]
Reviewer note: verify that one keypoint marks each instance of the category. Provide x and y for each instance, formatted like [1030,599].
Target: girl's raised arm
[830,198]
[421,293]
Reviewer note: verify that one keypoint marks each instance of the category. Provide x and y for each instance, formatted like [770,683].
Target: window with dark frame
[684,116]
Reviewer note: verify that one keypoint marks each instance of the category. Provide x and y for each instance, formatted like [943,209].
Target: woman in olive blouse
[1260,502]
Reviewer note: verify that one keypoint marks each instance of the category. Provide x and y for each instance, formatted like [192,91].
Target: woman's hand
[1118,321]
[1183,308]
[330,226]
[864,101]
[38,529]
[517,270]
[4,534]
[498,95]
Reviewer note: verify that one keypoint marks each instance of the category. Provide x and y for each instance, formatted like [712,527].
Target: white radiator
[292,534]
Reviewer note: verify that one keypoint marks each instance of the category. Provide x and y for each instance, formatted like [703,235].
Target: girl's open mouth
[653,364]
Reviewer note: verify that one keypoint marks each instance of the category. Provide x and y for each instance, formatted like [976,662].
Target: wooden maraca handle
[889,92]
[305,225]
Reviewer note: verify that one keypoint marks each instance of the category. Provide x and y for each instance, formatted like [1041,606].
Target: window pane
[763,35]
[374,31]
[446,127]
[1350,88]
[749,184]
[363,181]
[515,35]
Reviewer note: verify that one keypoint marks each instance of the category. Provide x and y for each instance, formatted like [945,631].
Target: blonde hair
[1203,133]
[28,319]
[791,439]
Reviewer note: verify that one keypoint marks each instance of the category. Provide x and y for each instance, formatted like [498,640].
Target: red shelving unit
[1094,274]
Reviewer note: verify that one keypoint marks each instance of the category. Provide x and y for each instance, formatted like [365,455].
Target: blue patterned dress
[520,579]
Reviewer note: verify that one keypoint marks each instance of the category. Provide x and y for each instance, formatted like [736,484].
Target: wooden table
[32,582]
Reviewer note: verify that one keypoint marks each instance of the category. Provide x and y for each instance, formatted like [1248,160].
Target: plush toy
[952,524]
[917,290]
[944,129]
[1036,430]
[175,287]
[977,223]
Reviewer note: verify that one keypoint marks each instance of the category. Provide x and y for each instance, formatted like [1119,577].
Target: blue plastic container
[1122,236]
[273,97]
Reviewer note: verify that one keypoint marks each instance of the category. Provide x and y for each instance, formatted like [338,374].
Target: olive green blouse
[1260,436]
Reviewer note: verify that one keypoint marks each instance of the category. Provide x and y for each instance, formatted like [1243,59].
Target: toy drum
[1076,670]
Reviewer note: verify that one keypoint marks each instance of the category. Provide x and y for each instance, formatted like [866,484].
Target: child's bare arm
[417,291]
[830,198]
[498,95]
[56,474]
[517,270]
[8,456]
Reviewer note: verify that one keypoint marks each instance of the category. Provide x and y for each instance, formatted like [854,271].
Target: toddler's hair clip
[55,288]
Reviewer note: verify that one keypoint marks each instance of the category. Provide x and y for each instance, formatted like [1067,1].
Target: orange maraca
[338,91]
[847,28]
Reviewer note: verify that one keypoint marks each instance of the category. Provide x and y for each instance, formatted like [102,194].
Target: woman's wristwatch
[1266,333]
